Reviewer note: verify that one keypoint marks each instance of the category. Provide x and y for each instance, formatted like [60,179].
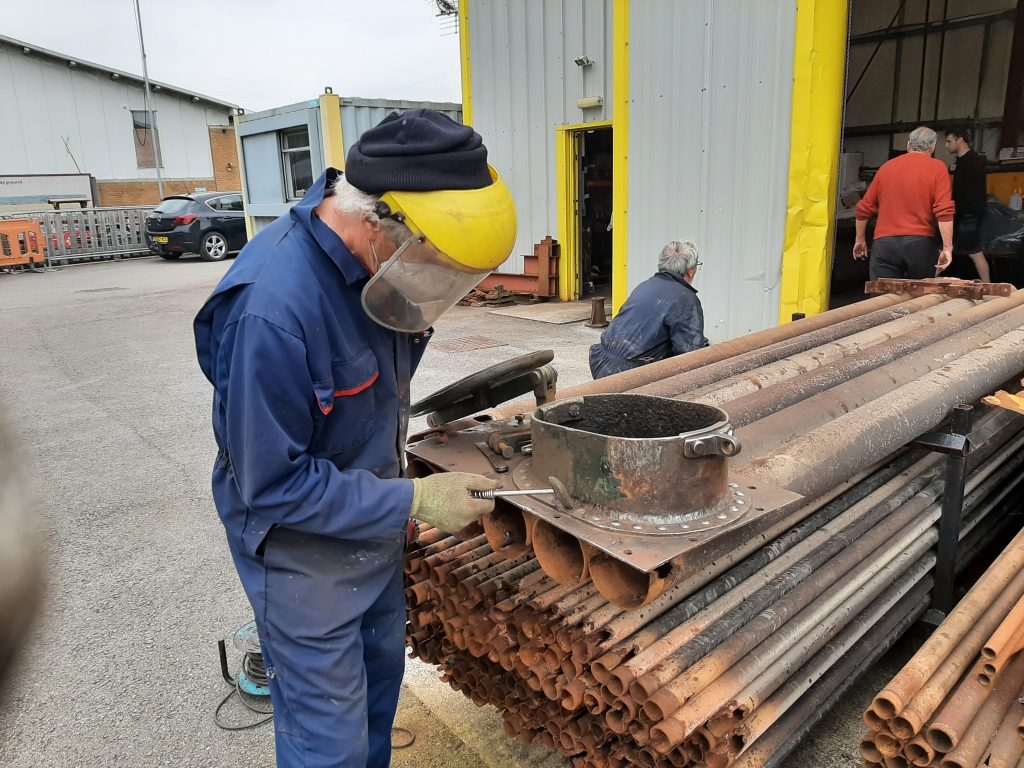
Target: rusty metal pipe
[803,363]
[942,368]
[625,623]
[679,716]
[1006,747]
[625,586]
[1005,640]
[774,747]
[970,748]
[841,550]
[911,718]
[559,553]
[733,585]
[979,486]
[779,688]
[750,408]
[806,464]
[735,578]
[506,529]
[629,380]
[673,386]
[902,688]
[919,751]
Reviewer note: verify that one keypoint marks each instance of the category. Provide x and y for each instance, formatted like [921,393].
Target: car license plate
[160,240]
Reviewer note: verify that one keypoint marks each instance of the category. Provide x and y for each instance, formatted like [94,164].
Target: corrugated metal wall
[711,101]
[357,115]
[526,84]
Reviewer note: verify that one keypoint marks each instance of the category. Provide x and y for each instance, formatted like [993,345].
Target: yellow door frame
[568,154]
[465,64]
[330,131]
[620,153]
[819,80]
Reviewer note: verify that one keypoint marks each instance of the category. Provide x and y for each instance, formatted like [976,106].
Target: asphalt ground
[99,382]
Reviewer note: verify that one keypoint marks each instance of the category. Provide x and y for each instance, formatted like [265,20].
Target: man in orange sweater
[909,193]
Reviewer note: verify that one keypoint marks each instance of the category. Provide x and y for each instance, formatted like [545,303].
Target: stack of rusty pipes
[957,703]
[732,664]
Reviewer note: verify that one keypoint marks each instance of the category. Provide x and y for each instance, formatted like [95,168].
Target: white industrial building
[62,115]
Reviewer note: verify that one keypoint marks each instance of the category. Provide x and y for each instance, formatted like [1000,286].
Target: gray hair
[352,200]
[678,257]
[921,139]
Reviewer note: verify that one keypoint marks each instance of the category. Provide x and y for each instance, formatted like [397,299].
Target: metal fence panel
[91,233]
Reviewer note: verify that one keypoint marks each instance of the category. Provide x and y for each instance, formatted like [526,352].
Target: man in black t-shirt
[971,198]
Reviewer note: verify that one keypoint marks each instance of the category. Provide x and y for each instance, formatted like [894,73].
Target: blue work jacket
[661,318]
[311,397]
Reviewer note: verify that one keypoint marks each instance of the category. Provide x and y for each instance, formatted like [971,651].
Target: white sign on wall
[41,191]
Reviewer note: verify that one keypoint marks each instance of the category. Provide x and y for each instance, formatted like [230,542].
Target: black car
[211,224]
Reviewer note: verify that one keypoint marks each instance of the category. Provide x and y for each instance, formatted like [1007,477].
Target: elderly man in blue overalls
[310,341]
[661,318]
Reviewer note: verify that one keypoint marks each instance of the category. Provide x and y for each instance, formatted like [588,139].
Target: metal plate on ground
[466,344]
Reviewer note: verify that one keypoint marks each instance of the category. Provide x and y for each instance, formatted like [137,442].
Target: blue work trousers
[331,618]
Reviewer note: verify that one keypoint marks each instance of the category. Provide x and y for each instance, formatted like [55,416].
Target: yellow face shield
[458,238]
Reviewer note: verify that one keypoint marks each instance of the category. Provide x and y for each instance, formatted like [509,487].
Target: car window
[232,203]
[216,203]
[173,205]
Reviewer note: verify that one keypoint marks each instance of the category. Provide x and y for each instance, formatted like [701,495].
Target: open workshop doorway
[585,210]
[944,64]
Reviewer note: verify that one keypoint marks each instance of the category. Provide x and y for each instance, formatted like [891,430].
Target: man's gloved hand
[443,499]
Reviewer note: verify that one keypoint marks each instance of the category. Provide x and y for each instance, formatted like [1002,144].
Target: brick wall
[225,159]
[224,152]
[114,193]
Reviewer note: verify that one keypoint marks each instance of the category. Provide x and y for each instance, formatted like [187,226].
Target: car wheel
[169,256]
[214,246]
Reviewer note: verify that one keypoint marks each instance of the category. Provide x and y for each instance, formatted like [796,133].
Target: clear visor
[416,286]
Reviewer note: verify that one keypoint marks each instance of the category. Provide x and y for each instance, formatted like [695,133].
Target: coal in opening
[636,416]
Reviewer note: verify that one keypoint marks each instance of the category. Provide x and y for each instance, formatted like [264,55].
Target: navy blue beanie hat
[418,151]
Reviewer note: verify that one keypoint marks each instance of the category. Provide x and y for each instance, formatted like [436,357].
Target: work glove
[444,501]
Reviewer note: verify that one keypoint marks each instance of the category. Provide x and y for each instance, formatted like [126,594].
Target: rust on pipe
[841,551]
[560,554]
[750,408]
[506,529]
[728,676]
[893,602]
[625,586]
[803,363]
[970,748]
[952,721]
[912,717]
[945,365]
[874,722]
[869,751]
[673,386]
[629,380]
[1006,748]
[894,697]
[1005,641]
[805,464]
[919,752]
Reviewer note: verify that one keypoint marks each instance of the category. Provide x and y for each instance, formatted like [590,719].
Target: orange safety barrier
[21,243]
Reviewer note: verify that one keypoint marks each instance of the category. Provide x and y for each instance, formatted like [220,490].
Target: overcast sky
[257,53]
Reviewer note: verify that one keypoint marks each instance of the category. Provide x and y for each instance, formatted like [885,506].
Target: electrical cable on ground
[252,668]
